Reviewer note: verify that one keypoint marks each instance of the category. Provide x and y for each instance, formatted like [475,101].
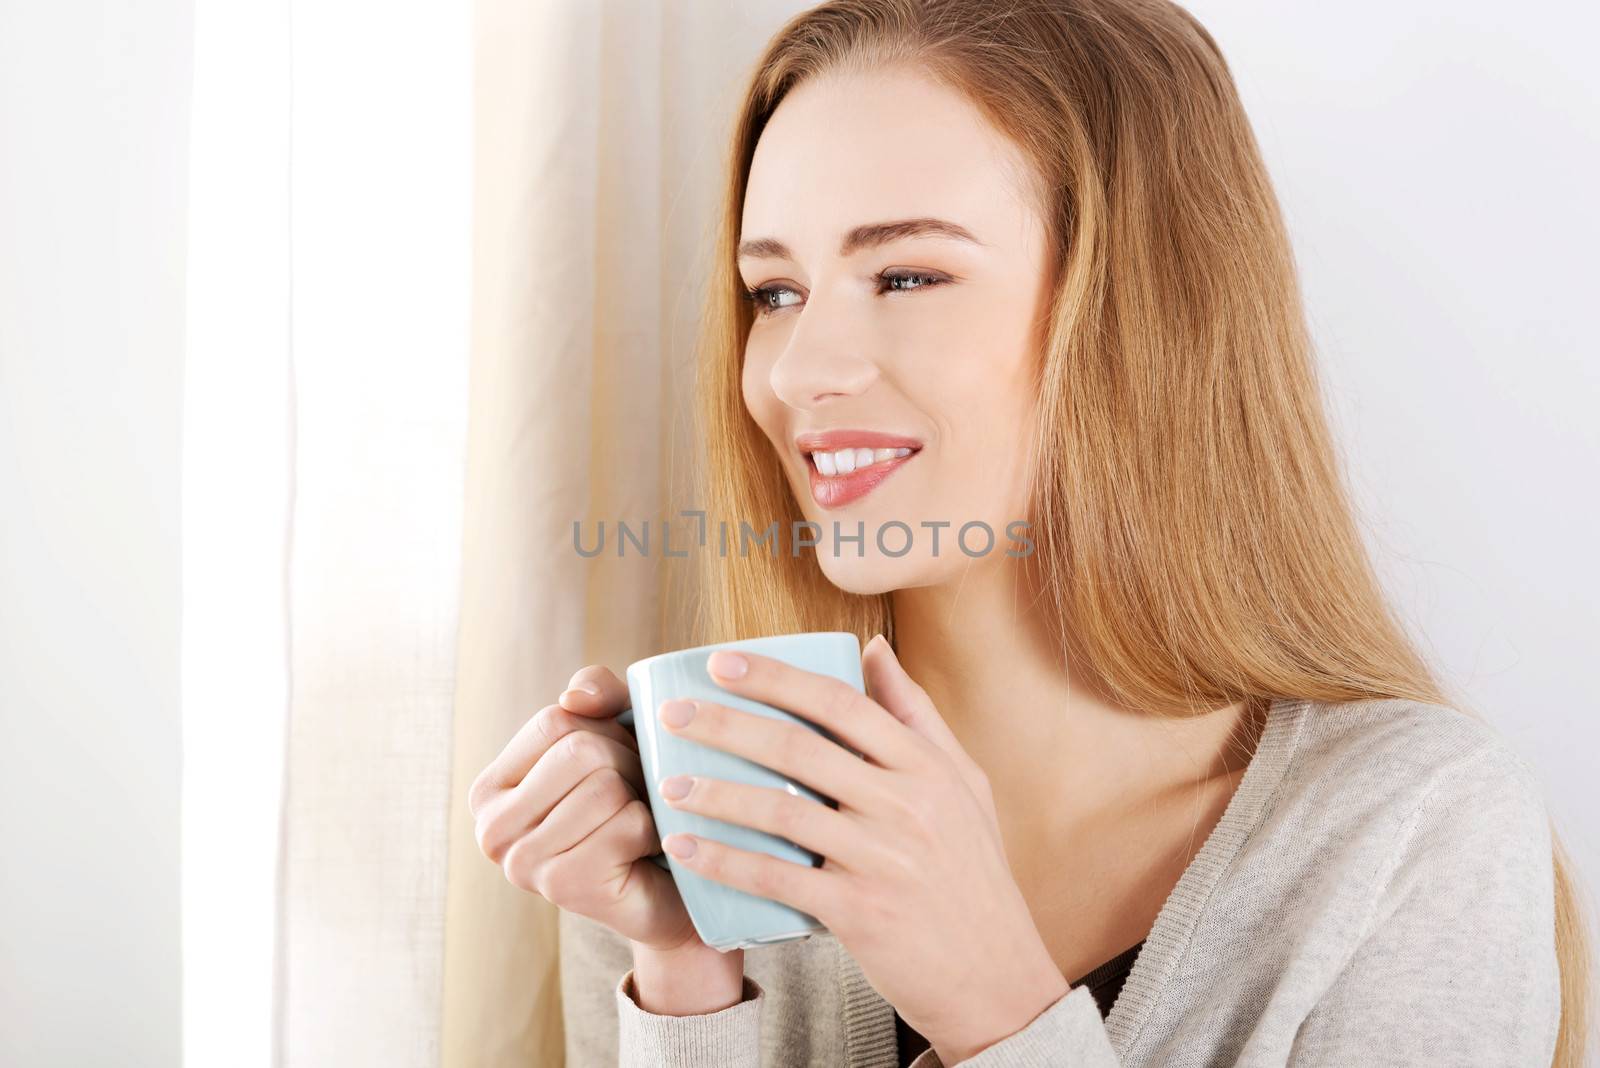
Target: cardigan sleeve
[1456,963]
[728,1038]
[1068,1034]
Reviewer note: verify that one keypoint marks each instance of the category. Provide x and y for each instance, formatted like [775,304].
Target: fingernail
[573,691]
[728,665]
[677,713]
[677,786]
[680,845]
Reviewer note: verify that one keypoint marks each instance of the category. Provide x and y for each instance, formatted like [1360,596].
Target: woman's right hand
[561,810]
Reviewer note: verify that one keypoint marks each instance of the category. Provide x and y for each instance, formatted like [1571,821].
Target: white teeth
[846,461]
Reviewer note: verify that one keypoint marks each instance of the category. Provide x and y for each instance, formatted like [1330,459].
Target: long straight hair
[1194,540]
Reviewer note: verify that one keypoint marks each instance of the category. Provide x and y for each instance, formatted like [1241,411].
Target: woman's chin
[871,573]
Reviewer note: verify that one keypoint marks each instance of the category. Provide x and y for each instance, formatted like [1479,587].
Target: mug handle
[625,717]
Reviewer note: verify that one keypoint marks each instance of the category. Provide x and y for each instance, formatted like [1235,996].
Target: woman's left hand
[915,883]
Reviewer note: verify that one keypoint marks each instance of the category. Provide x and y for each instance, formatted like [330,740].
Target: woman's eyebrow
[867,235]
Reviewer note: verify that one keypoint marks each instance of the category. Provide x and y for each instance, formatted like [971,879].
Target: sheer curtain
[599,141]
[324,440]
[444,268]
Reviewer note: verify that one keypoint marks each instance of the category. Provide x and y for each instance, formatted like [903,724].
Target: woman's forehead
[842,150]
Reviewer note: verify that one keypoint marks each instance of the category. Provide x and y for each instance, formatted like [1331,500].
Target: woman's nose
[812,370]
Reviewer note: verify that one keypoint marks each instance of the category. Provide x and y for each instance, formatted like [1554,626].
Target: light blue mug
[724,917]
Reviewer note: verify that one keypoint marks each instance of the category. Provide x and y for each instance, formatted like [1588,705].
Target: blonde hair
[1216,557]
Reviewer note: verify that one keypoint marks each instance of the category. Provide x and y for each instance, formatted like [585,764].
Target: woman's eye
[770,298]
[892,281]
[763,296]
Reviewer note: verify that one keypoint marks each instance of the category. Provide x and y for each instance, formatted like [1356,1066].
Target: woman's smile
[846,465]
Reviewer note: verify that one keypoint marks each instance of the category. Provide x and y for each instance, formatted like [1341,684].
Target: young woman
[1170,785]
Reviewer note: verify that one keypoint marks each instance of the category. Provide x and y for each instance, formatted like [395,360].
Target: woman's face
[917,342]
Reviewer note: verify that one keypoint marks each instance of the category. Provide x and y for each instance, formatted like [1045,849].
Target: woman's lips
[838,490]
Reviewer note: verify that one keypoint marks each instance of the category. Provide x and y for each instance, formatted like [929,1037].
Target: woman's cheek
[753,385]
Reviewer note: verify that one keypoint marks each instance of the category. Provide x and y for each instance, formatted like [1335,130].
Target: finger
[508,817]
[800,886]
[793,750]
[586,808]
[637,899]
[833,704]
[525,861]
[594,873]
[533,739]
[807,823]
[905,699]
[594,691]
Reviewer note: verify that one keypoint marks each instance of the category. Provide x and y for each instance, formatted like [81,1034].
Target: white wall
[93,116]
[1437,163]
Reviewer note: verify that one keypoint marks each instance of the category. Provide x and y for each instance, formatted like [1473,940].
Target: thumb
[596,692]
[890,686]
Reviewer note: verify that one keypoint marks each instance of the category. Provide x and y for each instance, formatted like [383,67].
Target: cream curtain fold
[599,135]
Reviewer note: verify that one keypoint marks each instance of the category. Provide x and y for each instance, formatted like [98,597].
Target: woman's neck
[1042,730]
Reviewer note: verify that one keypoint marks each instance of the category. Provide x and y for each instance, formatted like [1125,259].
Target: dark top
[1104,982]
